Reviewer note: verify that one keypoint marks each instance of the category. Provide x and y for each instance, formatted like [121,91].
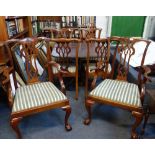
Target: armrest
[60,72]
[146,70]
[58,66]
[98,69]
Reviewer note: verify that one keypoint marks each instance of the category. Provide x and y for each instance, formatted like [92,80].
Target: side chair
[36,96]
[118,92]
[65,52]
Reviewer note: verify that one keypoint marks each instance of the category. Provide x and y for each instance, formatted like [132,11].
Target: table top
[82,50]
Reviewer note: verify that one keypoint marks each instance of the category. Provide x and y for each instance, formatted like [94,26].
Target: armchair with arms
[117,91]
[36,96]
[61,50]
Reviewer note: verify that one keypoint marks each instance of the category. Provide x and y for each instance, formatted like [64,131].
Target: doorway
[149,28]
[104,22]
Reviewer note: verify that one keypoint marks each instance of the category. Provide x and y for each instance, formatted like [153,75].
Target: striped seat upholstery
[119,92]
[92,66]
[35,95]
[71,69]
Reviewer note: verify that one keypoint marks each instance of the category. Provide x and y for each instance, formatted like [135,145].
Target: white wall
[105,23]
[149,27]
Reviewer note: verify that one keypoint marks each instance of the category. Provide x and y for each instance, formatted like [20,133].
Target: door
[149,30]
[128,26]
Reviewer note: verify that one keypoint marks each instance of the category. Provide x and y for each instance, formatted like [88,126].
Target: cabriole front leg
[138,119]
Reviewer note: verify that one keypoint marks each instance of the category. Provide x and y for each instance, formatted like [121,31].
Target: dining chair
[98,64]
[36,96]
[118,92]
[62,51]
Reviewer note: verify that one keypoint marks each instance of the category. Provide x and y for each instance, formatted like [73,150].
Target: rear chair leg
[68,112]
[138,116]
[77,89]
[14,124]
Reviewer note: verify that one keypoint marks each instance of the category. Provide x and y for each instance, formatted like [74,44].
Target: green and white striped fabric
[35,95]
[71,69]
[118,91]
[92,66]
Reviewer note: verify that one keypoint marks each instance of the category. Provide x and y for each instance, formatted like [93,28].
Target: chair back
[66,33]
[100,49]
[123,50]
[76,33]
[141,71]
[65,52]
[91,32]
[27,50]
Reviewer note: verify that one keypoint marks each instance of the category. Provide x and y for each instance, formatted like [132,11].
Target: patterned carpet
[107,123]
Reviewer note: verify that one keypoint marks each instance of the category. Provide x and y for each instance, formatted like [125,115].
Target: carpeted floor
[107,123]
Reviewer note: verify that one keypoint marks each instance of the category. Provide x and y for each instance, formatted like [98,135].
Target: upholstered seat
[43,94]
[117,91]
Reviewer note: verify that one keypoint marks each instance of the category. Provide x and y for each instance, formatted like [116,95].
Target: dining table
[82,52]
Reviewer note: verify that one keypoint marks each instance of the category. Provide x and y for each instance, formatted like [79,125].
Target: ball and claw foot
[68,127]
[87,121]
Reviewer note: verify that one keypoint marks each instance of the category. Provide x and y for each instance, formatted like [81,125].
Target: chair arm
[60,72]
[99,68]
[146,71]
[58,66]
